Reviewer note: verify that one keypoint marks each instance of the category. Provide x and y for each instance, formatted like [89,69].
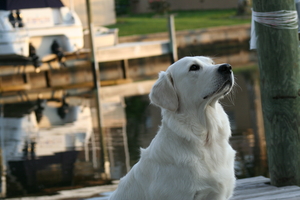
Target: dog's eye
[194,67]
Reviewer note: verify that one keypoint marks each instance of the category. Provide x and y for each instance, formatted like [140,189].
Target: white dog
[190,157]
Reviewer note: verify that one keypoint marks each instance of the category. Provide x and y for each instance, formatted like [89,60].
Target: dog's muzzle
[225,69]
[226,80]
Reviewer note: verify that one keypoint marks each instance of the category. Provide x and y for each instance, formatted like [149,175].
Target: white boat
[37,29]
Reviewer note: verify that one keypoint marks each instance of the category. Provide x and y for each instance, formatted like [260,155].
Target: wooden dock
[256,188]
[133,50]
[259,188]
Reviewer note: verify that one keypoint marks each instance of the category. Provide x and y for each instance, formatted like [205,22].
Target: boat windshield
[23,4]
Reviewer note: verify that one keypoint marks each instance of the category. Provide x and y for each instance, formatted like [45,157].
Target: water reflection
[244,111]
[66,151]
[51,153]
[143,121]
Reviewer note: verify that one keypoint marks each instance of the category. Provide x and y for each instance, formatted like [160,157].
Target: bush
[122,7]
[159,6]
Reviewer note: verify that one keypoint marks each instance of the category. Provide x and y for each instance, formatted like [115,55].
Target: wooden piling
[3,156]
[278,54]
[172,36]
[96,73]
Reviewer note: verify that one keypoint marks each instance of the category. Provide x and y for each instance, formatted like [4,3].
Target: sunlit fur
[190,157]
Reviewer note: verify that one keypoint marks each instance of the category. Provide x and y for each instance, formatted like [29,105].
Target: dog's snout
[225,69]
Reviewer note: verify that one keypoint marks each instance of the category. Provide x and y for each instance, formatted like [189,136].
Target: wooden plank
[88,84]
[84,84]
[256,188]
[267,191]
[115,82]
[132,50]
[252,180]
[22,67]
[292,198]
[113,88]
[252,189]
[275,195]
[253,183]
[14,88]
[129,89]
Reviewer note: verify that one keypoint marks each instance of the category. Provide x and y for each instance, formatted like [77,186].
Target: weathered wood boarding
[132,50]
[259,188]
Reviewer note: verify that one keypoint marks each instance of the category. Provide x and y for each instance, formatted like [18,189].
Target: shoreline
[240,33]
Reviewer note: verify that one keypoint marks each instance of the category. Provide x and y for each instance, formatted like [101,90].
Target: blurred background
[75,77]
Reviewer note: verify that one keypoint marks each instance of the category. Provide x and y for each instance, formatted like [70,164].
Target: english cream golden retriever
[190,157]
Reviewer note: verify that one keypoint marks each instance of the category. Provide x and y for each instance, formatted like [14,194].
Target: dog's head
[191,82]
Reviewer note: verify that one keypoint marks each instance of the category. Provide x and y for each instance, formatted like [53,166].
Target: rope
[283,19]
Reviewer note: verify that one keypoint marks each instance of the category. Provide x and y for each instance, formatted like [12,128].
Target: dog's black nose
[224,69]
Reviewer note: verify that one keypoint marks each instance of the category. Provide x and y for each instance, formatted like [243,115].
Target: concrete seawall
[225,44]
[236,33]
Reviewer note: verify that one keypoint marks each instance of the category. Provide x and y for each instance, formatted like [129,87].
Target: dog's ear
[163,92]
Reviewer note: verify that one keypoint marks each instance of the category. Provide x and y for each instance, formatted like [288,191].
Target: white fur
[190,157]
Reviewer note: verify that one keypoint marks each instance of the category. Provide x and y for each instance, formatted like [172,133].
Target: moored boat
[36,29]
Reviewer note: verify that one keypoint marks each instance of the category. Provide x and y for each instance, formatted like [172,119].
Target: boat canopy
[23,4]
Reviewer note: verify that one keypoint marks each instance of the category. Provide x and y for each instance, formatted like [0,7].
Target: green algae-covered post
[278,53]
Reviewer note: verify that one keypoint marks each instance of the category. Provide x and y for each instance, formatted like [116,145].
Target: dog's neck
[194,124]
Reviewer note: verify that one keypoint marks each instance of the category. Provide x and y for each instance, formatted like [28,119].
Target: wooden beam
[132,50]
[128,89]
[125,68]
[116,82]
[65,78]
[124,89]
[22,67]
[14,88]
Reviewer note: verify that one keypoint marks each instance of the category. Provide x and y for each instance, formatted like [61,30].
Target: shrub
[159,6]
[122,7]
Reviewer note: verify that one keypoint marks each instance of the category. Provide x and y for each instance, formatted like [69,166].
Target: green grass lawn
[184,20]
